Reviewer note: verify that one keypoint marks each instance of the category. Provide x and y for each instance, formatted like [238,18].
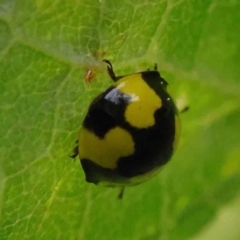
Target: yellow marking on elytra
[140,111]
[105,152]
[177,132]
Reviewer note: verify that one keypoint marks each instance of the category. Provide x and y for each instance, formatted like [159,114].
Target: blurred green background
[46,48]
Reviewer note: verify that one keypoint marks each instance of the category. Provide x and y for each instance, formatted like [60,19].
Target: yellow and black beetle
[130,131]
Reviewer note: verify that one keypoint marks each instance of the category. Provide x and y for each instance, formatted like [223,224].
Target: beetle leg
[110,70]
[185,109]
[75,152]
[120,195]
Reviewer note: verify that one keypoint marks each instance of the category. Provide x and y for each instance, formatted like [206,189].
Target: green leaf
[46,49]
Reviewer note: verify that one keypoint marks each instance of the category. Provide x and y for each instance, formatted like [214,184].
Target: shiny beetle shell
[130,131]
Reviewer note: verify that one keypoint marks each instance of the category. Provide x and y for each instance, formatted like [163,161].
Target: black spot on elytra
[106,112]
[99,122]
[153,146]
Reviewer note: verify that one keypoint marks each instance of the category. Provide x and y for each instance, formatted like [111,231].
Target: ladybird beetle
[130,131]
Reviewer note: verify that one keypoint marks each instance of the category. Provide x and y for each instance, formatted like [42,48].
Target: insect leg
[120,195]
[75,151]
[185,109]
[110,70]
